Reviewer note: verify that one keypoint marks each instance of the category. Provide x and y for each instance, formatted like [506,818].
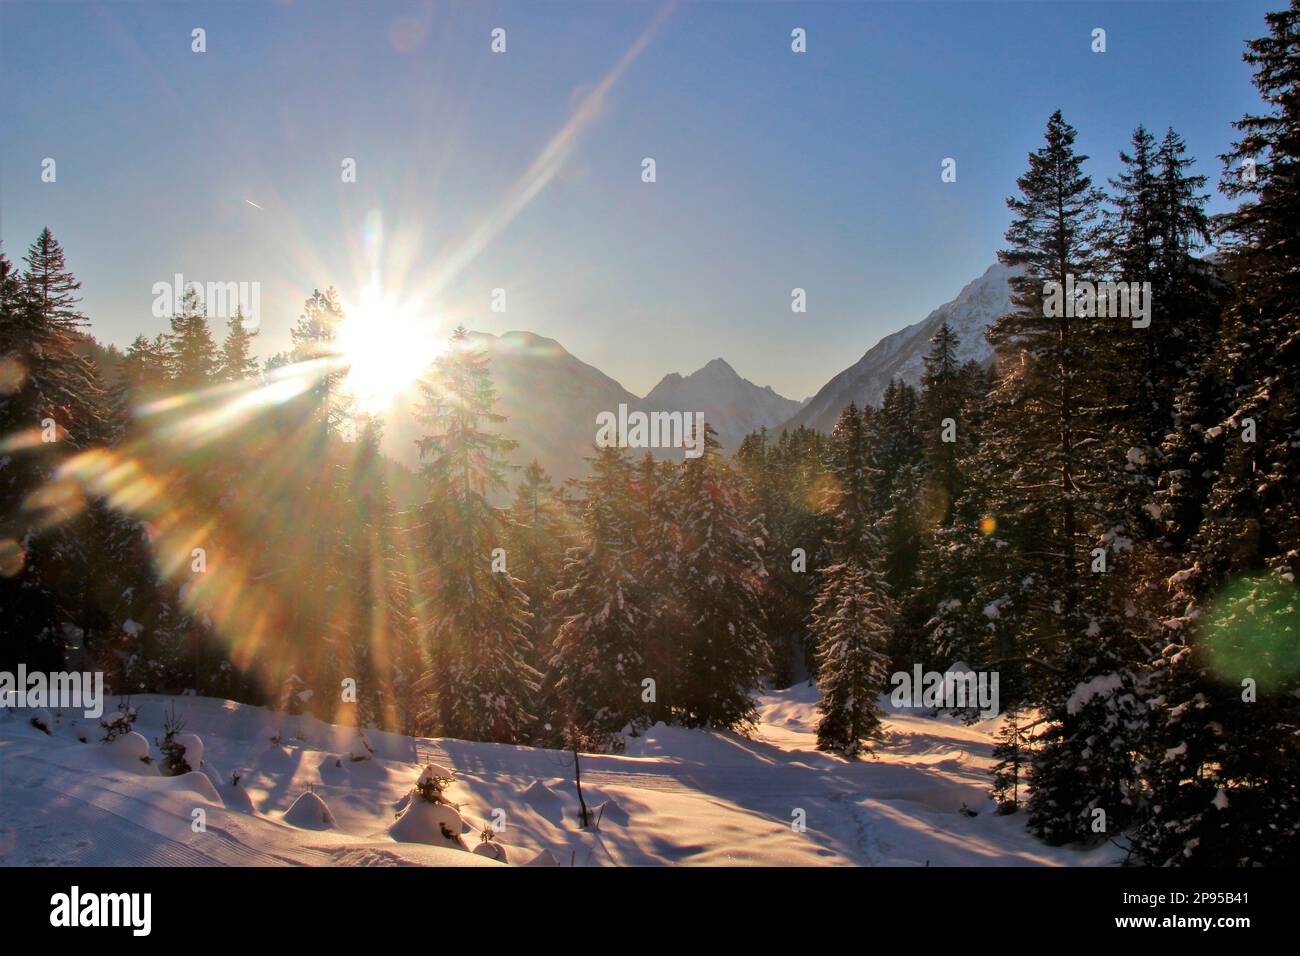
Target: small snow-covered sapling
[173,754]
[432,784]
[121,723]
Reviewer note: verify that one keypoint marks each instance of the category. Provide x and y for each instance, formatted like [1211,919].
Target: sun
[384,345]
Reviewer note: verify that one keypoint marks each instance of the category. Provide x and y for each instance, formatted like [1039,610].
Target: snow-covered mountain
[900,355]
[551,398]
[734,406]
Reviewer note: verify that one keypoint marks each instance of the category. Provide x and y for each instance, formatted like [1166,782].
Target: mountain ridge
[900,354]
[551,398]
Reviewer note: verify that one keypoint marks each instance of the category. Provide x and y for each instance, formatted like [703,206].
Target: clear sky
[522,170]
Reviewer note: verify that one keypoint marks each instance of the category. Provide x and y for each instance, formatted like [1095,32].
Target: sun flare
[385,345]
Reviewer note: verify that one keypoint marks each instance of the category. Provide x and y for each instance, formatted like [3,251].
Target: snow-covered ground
[675,796]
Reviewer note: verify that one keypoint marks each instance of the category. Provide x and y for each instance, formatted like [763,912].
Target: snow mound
[361,749]
[424,822]
[309,812]
[233,796]
[130,752]
[492,850]
[538,792]
[610,810]
[195,782]
[342,770]
[193,747]
[544,858]
[236,798]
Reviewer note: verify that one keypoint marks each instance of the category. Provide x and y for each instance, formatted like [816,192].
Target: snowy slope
[734,406]
[676,796]
[900,354]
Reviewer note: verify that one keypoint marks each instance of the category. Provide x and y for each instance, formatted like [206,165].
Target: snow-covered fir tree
[237,362]
[716,580]
[852,623]
[1011,759]
[539,530]
[1224,753]
[597,661]
[480,684]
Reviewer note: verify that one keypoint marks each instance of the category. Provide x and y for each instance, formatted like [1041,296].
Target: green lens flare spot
[1253,630]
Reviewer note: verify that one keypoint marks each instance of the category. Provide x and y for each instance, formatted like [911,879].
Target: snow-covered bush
[434,779]
[121,723]
[181,753]
[130,750]
[192,745]
[361,749]
[424,821]
[490,848]
[432,818]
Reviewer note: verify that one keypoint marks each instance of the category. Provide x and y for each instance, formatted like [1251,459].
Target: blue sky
[774,170]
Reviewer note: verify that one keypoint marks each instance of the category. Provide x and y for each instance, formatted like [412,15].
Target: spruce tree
[1040,428]
[897,456]
[654,530]
[480,683]
[378,635]
[717,581]
[1223,756]
[52,407]
[597,662]
[192,355]
[848,498]
[773,516]
[237,362]
[852,624]
[942,400]
[537,538]
[1011,757]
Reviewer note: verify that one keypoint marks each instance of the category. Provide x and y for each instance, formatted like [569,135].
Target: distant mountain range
[734,406]
[551,398]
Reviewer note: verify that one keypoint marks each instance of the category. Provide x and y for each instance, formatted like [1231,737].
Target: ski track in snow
[678,796]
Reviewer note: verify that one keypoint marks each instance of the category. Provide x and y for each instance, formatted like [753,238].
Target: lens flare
[1253,631]
[12,557]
